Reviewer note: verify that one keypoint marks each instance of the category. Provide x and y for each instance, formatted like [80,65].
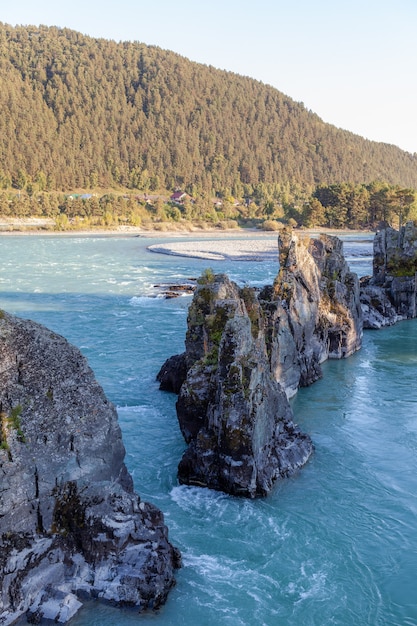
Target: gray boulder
[173,373]
[71,525]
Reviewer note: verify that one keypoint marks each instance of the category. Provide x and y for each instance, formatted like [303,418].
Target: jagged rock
[390,295]
[246,352]
[70,524]
[378,310]
[235,417]
[194,398]
[314,309]
[395,252]
[169,290]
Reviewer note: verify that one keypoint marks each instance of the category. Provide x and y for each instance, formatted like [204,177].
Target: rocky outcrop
[390,295]
[246,352]
[314,309]
[235,417]
[71,525]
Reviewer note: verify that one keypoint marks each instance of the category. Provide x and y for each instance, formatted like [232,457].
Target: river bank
[242,244]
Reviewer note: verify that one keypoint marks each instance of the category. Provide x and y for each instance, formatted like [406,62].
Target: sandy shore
[248,249]
[238,246]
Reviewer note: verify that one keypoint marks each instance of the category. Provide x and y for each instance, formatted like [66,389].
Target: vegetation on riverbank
[331,206]
[126,125]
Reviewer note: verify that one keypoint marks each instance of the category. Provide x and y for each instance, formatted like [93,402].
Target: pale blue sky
[352,62]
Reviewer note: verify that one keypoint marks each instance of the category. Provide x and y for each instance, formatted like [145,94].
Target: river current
[335,544]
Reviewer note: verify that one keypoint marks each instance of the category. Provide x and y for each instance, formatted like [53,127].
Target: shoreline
[135,231]
[211,245]
[243,248]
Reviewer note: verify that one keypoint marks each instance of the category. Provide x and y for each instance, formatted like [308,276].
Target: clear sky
[353,62]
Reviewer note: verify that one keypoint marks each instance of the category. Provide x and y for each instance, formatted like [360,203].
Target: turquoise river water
[335,544]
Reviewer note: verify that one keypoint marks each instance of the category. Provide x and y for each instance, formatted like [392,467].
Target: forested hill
[84,112]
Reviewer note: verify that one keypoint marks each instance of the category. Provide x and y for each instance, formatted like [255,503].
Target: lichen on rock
[235,417]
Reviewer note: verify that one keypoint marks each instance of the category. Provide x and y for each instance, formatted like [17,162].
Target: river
[336,543]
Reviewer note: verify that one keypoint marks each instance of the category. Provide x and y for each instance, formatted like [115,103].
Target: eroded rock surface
[390,295]
[71,525]
[234,415]
[246,353]
[314,310]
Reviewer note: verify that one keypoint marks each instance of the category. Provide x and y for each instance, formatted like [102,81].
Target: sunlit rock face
[71,525]
[315,309]
[247,352]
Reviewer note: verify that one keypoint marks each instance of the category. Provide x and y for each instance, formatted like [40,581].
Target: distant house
[178,197]
[82,196]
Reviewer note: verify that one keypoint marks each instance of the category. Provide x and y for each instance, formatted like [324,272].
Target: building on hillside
[178,197]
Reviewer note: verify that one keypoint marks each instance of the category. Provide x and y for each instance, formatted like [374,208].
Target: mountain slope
[78,111]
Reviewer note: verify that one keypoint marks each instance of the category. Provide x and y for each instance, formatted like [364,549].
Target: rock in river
[390,294]
[71,525]
[247,352]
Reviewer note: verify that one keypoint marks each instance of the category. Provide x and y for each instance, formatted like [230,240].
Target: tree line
[359,206]
[334,206]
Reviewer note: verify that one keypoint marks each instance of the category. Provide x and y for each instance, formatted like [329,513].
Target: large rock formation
[71,525]
[247,352]
[235,417]
[390,295]
[314,309]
